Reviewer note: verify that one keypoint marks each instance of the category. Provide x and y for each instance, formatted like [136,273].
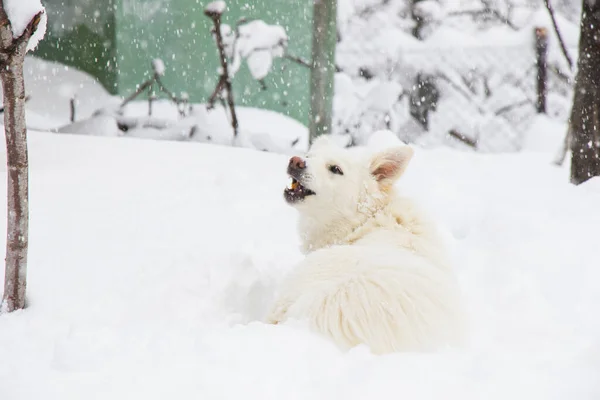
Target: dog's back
[386,297]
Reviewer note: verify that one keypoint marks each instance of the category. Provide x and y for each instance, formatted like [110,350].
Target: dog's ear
[388,165]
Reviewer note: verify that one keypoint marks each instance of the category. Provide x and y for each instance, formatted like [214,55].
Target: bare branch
[298,60]
[31,28]
[139,90]
[216,18]
[459,89]
[466,140]
[563,47]
[215,93]
[510,107]
[158,71]
[561,75]
[166,91]
[485,11]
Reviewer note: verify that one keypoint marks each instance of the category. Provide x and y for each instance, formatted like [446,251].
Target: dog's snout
[297,163]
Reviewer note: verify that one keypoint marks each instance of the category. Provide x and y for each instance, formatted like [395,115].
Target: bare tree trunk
[12,56]
[17,188]
[584,123]
[323,67]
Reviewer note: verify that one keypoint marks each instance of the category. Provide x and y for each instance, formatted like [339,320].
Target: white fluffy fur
[375,271]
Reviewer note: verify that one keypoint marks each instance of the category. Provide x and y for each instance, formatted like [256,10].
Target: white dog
[375,270]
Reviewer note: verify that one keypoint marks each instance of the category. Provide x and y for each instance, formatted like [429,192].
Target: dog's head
[331,180]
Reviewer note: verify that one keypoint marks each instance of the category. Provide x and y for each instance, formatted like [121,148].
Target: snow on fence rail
[482,97]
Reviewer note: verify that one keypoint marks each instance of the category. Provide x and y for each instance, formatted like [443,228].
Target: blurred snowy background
[460,73]
[436,71]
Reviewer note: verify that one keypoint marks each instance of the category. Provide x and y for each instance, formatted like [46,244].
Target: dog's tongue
[293,185]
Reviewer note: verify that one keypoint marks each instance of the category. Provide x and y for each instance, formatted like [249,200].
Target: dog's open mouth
[295,191]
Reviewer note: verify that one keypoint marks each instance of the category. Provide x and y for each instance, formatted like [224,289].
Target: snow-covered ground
[151,263]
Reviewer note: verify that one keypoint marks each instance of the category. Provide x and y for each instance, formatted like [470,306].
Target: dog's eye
[335,169]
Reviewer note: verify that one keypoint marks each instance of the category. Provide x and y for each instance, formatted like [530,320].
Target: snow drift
[151,263]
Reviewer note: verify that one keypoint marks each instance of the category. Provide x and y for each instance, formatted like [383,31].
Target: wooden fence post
[72,108]
[541,52]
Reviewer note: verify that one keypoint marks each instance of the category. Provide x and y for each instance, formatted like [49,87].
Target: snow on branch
[21,14]
[253,41]
[158,67]
[256,42]
[215,8]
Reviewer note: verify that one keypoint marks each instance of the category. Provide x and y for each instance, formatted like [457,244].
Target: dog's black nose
[297,163]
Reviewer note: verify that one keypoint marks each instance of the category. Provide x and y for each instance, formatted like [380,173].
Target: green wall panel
[81,33]
[116,40]
[178,32]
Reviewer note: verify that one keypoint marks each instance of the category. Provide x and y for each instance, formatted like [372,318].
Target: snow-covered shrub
[362,109]
[255,42]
